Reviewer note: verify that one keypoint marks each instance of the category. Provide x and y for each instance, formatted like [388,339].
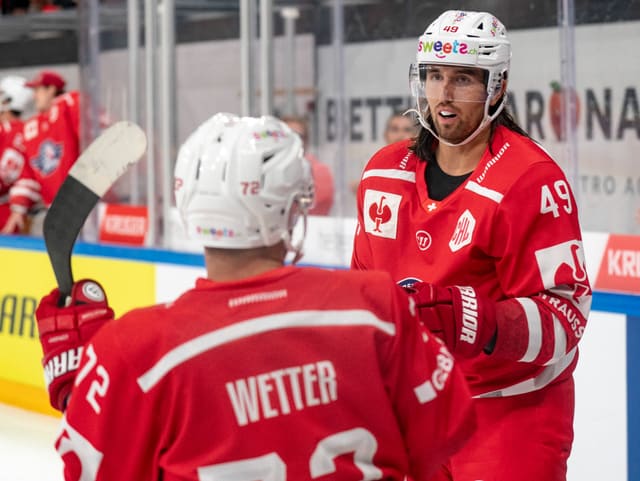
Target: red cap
[45,79]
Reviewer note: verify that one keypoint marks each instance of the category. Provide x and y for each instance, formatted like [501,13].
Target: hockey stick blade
[95,171]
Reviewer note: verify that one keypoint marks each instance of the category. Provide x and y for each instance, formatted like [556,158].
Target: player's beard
[461,127]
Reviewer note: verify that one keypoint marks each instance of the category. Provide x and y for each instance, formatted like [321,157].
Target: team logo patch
[459,17]
[463,232]
[423,238]
[48,159]
[381,213]
[564,264]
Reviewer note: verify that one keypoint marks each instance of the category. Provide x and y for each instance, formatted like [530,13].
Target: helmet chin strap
[296,249]
[486,120]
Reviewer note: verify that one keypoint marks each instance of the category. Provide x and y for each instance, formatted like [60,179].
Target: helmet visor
[453,83]
[433,84]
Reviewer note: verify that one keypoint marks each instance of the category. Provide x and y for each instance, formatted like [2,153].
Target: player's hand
[15,224]
[64,331]
[462,318]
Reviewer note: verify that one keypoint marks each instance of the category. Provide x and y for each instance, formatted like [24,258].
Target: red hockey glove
[463,319]
[65,330]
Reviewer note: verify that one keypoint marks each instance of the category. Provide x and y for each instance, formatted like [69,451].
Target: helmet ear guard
[298,209]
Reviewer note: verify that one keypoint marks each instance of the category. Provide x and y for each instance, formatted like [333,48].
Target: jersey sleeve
[429,394]
[103,438]
[542,270]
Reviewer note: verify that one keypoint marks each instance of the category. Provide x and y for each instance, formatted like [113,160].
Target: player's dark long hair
[425,141]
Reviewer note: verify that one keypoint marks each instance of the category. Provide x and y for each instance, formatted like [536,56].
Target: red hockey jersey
[51,142]
[295,374]
[510,230]
[11,162]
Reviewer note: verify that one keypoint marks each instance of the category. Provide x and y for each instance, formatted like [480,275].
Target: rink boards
[607,424]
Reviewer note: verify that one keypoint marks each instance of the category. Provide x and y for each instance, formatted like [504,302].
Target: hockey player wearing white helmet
[252,202]
[15,99]
[51,144]
[262,370]
[481,225]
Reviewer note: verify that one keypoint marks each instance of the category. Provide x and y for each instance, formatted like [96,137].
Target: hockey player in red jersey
[262,371]
[15,98]
[51,141]
[482,222]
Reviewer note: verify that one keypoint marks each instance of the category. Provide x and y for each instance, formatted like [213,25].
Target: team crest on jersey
[381,213]
[48,159]
[463,232]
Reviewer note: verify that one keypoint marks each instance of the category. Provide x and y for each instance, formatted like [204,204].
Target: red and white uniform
[11,162]
[52,146]
[511,231]
[267,378]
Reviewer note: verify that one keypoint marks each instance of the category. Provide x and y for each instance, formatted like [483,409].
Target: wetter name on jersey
[282,391]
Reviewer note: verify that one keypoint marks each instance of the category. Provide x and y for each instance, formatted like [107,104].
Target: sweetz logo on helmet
[215,232]
[442,49]
[265,134]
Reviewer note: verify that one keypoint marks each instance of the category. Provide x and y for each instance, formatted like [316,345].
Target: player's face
[43,97]
[456,98]
[399,128]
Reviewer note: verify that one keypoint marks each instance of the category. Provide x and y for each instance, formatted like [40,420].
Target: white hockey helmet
[468,39]
[14,95]
[242,182]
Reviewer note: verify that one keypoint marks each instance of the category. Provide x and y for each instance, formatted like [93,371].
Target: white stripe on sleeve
[28,183]
[560,341]
[548,375]
[534,323]
[24,192]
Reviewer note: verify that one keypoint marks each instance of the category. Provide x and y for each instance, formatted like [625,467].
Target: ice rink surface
[26,446]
